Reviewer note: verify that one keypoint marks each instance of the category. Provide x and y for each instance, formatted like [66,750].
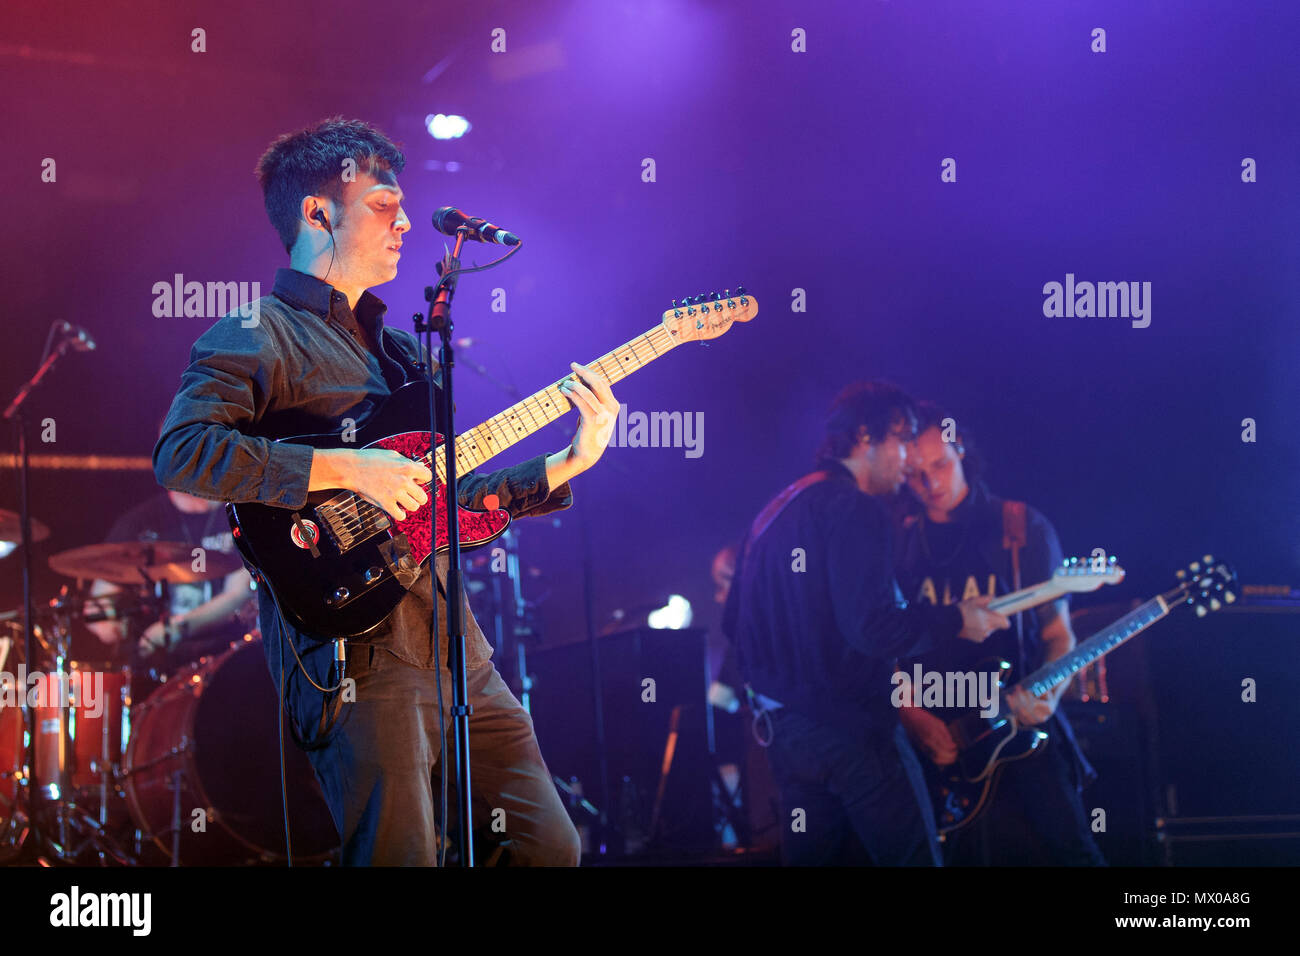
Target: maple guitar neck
[514,424]
[1033,596]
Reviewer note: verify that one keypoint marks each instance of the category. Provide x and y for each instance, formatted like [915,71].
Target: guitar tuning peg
[1180,574]
[1208,559]
[674,305]
[740,290]
[1195,565]
[1214,604]
[1201,611]
[1229,597]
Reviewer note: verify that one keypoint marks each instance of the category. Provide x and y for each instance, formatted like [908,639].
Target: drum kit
[111,763]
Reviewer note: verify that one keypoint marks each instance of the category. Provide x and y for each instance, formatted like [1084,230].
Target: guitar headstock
[1081,575]
[708,316]
[1206,585]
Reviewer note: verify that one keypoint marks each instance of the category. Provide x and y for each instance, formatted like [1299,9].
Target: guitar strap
[777,505]
[1015,535]
[762,705]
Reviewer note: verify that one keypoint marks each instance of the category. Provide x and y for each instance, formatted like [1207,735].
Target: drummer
[201,615]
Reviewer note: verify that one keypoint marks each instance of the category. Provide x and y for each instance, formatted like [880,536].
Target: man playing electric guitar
[317,357]
[818,624]
[952,550]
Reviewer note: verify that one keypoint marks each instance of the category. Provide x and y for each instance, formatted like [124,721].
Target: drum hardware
[78,742]
[122,779]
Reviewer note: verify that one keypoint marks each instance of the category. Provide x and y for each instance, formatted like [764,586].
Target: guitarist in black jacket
[950,549]
[313,357]
[818,621]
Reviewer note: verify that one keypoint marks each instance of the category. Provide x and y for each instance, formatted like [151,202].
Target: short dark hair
[877,406]
[309,162]
[933,415]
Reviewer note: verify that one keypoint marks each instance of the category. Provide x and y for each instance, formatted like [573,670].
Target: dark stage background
[817,171]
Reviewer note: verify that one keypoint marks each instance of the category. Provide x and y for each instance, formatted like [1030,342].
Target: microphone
[447,220]
[81,340]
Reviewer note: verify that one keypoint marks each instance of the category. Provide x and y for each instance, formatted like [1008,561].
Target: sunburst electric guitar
[338,566]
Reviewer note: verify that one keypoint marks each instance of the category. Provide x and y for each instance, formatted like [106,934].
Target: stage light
[446,126]
[675,615]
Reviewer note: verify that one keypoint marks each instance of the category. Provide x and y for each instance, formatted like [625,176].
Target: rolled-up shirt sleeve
[521,489]
[205,448]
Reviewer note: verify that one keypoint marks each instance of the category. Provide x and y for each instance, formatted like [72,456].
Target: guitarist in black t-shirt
[953,549]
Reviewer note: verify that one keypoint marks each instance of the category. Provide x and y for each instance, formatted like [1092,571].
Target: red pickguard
[476,527]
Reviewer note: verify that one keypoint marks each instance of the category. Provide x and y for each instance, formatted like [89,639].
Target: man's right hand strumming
[390,481]
[977,621]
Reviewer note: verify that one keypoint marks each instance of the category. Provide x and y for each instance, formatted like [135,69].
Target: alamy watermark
[207,300]
[1086,300]
[658,430]
[947,689]
[78,689]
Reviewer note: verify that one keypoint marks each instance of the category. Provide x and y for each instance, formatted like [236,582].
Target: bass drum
[211,727]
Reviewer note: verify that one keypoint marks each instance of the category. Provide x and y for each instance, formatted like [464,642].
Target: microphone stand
[439,319]
[15,414]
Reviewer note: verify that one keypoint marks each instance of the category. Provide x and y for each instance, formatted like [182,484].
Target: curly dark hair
[879,406]
[309,162]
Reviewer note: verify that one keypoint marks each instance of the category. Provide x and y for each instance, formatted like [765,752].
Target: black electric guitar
[338,566]
[962,790]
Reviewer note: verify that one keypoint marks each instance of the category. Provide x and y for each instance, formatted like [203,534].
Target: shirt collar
[315,295]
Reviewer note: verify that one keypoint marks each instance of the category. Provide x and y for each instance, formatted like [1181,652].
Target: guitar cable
[284,710]
[284,787]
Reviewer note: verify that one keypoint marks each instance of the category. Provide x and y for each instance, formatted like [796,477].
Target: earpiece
[319,216]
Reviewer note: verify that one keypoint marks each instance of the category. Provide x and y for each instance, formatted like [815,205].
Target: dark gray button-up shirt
[302,368]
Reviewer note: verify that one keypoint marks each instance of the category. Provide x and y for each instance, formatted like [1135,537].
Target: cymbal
[11,528]
[121,562]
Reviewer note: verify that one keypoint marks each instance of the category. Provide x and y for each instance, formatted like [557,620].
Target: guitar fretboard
[1066,666]
[1025,598]
[485,441]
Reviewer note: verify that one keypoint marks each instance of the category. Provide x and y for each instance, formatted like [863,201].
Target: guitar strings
[366,518]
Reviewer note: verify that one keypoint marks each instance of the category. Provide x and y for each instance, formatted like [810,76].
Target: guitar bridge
[345,527]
